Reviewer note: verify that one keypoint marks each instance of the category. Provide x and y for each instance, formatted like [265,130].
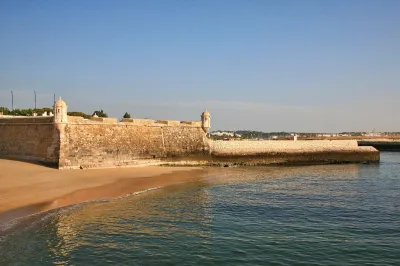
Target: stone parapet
[172,123]
[104,119]
[133,121]
[136,121]
[26,120]
[75,119]
[191,123]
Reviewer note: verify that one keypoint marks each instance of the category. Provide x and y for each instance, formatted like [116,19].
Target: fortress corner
[205,121]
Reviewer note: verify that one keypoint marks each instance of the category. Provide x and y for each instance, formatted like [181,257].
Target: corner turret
[60,111]
[205,121]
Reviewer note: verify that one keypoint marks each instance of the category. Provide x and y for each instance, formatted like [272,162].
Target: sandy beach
[27,188]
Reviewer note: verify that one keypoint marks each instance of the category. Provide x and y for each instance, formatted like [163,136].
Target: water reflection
[135,218]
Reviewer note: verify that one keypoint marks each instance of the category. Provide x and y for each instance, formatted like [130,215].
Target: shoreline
[29,189]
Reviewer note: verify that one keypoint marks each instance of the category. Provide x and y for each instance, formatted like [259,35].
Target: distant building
[223,133]
[373,134]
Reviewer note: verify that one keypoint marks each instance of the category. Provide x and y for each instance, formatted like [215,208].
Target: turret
[60,111]
[205,121]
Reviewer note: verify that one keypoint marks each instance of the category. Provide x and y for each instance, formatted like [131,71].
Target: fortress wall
[27,120]
[169,122]
[122,144]
[185,141]
[191,123]
[75,119]
[30,139]
[141,122]
[104,119]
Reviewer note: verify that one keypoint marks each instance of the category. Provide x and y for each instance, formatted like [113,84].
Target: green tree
[25,112]
[127,115]
[100,113]
[79,114]
[4,110]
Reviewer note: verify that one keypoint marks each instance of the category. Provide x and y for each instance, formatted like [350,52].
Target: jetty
[291,152]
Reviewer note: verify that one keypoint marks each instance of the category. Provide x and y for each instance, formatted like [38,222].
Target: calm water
[310,215]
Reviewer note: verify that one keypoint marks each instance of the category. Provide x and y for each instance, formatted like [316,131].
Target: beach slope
[27,188]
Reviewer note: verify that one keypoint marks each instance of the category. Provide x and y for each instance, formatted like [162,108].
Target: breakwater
[291,152]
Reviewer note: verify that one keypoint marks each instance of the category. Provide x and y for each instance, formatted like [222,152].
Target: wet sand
[27,188]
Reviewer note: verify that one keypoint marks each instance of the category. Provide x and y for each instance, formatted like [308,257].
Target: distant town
[259,135]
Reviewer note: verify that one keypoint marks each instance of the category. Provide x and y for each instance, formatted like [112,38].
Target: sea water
[303,215]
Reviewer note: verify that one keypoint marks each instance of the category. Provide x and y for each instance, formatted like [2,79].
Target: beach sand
[27,188]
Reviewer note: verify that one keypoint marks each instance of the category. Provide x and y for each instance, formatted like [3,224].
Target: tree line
[40,111]
[24,112]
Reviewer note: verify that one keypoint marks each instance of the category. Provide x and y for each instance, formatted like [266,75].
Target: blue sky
[263,65]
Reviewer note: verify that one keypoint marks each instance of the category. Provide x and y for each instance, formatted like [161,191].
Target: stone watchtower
[205,121]
[60,114]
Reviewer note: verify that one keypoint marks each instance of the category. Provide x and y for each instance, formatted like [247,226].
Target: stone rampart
[29,139]
[139,122]
[26,120]
[76,119]
[169,122]
[104,120]
[89,145]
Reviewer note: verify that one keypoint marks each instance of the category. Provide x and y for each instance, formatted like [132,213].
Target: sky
[298,66]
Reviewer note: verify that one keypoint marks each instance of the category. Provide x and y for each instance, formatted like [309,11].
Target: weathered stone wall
[185,141]
[90,145]
[29,139]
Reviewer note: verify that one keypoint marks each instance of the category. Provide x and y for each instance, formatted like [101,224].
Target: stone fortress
[64,142]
